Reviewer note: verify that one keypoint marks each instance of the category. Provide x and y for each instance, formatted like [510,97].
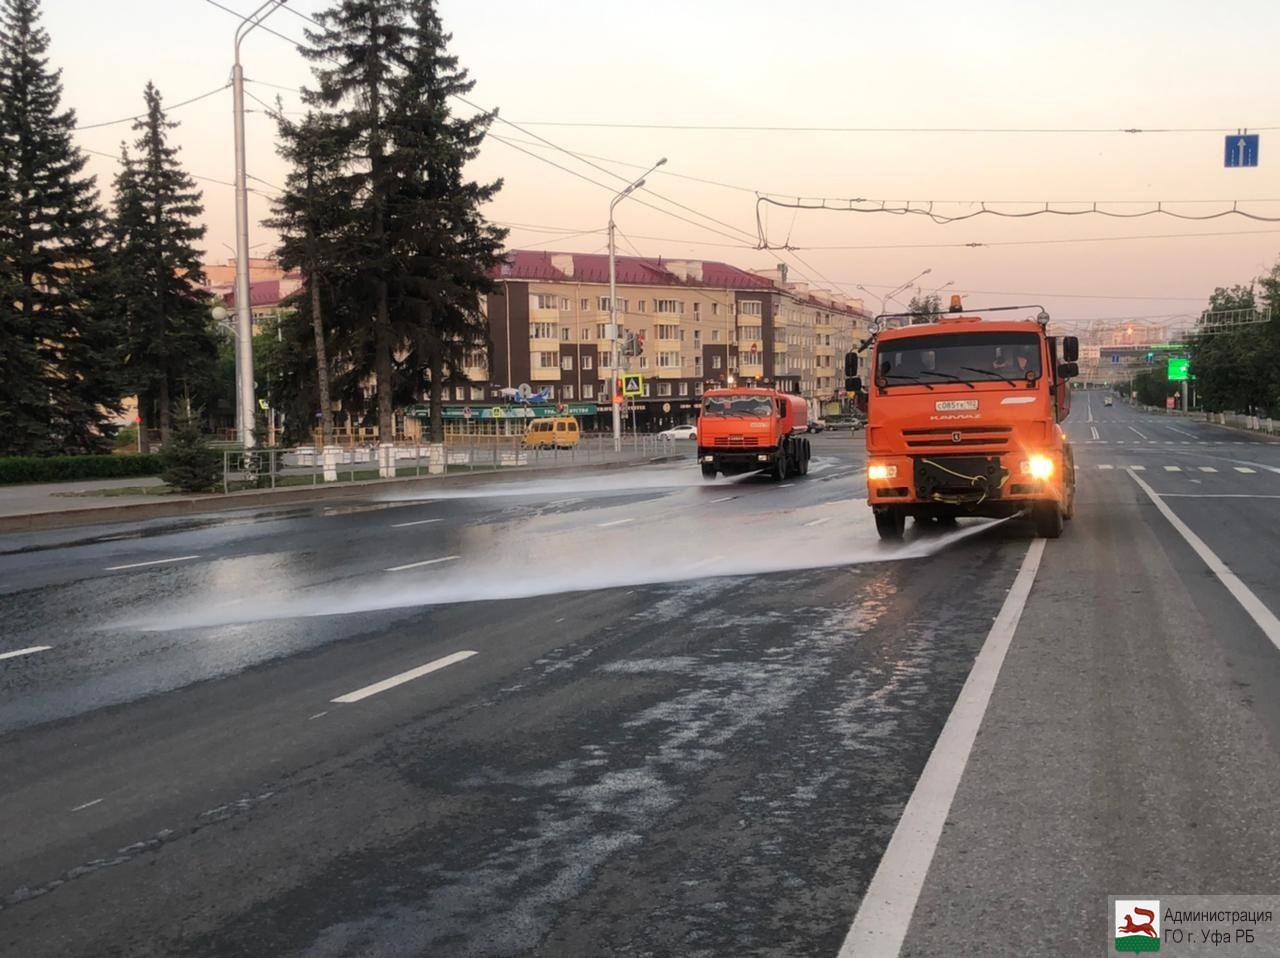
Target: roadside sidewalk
[32,508]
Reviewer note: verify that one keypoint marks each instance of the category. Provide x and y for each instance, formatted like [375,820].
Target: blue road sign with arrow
[1242,149]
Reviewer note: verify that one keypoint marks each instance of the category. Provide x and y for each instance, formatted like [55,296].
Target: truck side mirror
[853,384]
[1071,349]
[1068,370]
[850,364]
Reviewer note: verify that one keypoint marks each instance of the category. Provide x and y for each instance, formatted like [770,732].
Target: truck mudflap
[959,480]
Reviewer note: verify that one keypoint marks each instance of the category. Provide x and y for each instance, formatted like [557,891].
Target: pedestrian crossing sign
[632,384]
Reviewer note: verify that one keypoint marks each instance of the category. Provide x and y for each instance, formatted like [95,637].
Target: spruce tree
[58,371]
[436,226]
[361,55]
[156,266]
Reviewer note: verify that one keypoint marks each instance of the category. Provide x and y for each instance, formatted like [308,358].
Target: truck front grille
[736,442]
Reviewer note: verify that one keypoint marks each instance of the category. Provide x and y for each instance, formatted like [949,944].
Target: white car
[679,432]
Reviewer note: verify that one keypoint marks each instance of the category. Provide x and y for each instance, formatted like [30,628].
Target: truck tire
[890,523]
[804,458]
[708,470]
[779,470]
[1048,519]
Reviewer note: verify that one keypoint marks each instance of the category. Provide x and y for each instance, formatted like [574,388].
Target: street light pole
[244,309]
[613,301]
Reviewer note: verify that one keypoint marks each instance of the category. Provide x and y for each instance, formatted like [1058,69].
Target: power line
[194,176]
[1043,242]
[740,128]
[138,116]
[1006,292]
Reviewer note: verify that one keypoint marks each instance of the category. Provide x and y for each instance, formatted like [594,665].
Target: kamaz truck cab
[963,414]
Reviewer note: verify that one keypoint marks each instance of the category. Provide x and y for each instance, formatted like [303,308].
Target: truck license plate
[953,405]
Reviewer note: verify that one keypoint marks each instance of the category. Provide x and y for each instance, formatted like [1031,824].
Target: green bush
[66,468]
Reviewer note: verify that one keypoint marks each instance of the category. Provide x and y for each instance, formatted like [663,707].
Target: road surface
[635,713]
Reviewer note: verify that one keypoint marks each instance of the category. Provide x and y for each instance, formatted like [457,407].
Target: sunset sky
[896,68]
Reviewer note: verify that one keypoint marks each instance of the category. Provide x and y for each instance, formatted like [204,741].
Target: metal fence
[1263,424]
[308,465]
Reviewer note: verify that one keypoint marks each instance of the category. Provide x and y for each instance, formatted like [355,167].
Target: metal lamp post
[244,313]
[613,299]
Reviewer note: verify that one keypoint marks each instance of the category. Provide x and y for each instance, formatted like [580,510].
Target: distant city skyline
[1000,66]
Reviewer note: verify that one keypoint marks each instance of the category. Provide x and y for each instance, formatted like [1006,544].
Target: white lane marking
[885,913]
[418,565]
[402,678]
[1089,406]
[724,498]
[139,565]
[1141,435]
[1094,430]
[81,808]
[1105,465]
[1246,470]
[615,522]
[818,522]
[786,485]
[1206,468]
[312,718]
[1172,468]
[420,522]
[1215,495]
[1257,610]
[1120,442]
[1183,432]
[28,651]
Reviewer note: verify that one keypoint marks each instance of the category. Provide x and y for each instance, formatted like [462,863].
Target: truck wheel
[804,458]
[708,470]
[1069,503]
[779,470]
[890,523]
[1048,519]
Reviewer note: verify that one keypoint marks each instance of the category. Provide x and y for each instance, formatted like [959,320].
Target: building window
[666,331]
[715,361]
[697,389]
[477,393]
[551,392]
[564,334]
[542,330]
[600,330]
[644,363]
[584,304]
[684,388]
[668,306]
[566,363]
[641,306]
[697,310]
[750,307]
[669,360]
[587,361]
[664,389]
[715,335]
[588,391]
[647,390]
[715,309]
[604,306]
[697,365]
[749,332]
[697,336]
[566,392]
[549,301]
[548,360]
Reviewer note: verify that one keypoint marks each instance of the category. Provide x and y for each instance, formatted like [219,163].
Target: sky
[897,73]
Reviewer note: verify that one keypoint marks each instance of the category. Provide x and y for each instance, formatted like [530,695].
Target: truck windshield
[754,406]
[961,357]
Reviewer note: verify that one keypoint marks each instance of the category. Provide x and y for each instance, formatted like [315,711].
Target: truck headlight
[880,470]
[763,457]
[1038,467]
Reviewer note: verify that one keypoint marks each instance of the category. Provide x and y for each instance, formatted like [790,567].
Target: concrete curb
[249,499]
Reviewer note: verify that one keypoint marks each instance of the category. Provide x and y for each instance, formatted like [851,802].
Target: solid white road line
[1183,432]
[140,565]
[786,485]
[418,565]
[818,522]
[615,522]
[1215,495]
[81,808]
[28,651]
[1141,435]
[1172,468]
[420,522]
[1246,470]
[1260,614]
[724,498]
[1089,407]
[402,678]
[1094,430]
[885,913]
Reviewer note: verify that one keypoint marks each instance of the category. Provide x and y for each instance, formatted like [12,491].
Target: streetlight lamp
[244,314]
[613,297]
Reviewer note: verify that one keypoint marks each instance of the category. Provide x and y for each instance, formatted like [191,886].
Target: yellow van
[560,432]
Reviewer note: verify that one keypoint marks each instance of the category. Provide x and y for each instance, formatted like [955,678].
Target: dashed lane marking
[377,687]
[615,522]
[420,522]
[1246,470]
[1172,468]
[141,565]
[27,651]
[418,565]
[81,808]
[1206,469]
[818,522]
[1105,466]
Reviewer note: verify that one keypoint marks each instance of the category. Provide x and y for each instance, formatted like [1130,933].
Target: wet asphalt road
[692,719]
